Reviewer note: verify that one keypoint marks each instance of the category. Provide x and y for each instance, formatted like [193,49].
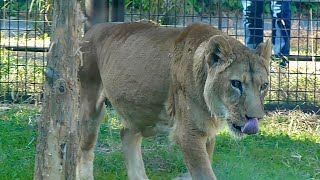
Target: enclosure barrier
[25,38]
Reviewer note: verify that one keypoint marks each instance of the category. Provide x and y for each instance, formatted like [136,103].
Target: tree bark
[58,129]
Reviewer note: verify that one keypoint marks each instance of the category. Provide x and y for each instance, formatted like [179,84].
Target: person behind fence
[281,25]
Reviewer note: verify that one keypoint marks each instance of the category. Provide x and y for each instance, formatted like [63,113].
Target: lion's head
[236,82]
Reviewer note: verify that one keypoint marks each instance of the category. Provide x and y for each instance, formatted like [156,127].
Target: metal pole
[220,14]
[96,12]
[118,11]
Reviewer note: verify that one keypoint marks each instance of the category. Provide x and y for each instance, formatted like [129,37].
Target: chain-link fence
[24,41]
[292,25]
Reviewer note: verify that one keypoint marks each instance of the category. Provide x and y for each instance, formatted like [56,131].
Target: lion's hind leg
[92,110]
[131,145]
[91,118]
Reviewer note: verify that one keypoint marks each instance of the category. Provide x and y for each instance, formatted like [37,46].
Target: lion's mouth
[250,127]
[236,127]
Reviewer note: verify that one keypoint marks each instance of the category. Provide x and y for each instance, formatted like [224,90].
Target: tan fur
[157,77]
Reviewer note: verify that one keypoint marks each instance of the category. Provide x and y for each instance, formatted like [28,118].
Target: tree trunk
[58,129]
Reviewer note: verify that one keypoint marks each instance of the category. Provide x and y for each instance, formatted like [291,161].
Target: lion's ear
[218,50]
[265,50]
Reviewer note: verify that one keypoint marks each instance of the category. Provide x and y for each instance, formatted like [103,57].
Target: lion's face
[236,84]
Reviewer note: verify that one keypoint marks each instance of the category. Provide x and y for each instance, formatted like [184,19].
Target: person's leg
[253,22]
[281,25]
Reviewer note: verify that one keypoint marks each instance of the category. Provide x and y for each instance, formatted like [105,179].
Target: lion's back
[134,64]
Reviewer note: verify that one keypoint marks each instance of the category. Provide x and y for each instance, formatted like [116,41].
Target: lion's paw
[184,176]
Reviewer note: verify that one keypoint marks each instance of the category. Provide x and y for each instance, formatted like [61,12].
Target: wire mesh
[294,76]
[24,40]
[295,79]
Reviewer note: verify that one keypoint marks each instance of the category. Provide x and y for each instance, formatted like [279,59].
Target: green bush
[25,5]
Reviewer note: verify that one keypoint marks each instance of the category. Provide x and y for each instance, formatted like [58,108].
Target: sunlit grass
[286,148]
[24,40]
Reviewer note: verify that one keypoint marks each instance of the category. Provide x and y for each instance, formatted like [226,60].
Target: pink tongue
[251,126]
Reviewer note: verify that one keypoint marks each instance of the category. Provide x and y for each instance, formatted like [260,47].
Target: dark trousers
[281,24]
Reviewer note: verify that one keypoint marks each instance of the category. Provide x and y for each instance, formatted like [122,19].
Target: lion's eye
[236,84]
[264,86]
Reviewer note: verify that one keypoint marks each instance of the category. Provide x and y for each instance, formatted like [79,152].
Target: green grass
[287,147]
[18,137]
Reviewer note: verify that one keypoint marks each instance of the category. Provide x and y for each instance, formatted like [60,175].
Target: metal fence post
[118,11]
[96,11]
[220,14]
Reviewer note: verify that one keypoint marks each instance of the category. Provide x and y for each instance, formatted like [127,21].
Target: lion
[190,82]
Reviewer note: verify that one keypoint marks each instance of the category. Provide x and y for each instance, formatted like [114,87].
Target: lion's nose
[255,110]
[258,117]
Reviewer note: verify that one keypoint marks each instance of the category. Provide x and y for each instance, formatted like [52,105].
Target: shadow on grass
[270,155]
[18,137]
[255,157]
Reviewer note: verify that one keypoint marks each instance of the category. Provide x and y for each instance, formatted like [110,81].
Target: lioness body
[135,71]
[159,77]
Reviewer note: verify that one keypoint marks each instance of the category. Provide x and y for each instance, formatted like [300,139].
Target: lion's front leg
[210,147]
[189,132]
[196,153]
[210,150]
